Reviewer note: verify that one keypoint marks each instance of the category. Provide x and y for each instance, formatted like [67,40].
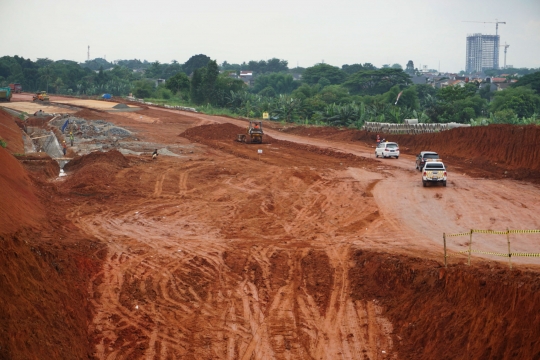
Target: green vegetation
[3,143]
[320,94]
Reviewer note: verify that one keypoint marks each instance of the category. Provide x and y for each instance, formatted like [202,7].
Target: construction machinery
[5,94]
[16,88]
[505,50]
[254,134]
[496,22]
[41,96]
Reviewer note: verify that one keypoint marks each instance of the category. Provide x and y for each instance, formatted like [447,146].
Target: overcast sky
[302,32]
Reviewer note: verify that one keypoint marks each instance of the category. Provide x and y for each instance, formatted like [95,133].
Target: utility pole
[88,53]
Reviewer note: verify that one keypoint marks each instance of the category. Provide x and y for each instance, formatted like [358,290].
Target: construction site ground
[312,249]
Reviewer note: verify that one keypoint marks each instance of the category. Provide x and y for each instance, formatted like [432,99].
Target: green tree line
[346,96]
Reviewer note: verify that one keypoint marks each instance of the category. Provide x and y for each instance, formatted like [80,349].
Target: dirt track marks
[210,261]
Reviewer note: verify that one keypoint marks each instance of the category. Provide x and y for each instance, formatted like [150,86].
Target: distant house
[498,86]
[247,77]
[418,80]
[231,74]
[460,83]
[498,80]
[297,77]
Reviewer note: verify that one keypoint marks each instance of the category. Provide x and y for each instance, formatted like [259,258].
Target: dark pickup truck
[421,158]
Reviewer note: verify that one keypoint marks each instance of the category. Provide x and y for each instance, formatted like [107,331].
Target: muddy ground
[311,250]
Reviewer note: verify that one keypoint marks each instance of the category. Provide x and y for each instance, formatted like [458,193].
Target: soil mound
[92,173]
[89,114]
[217,132]
[282,153]
[40,164]
[121,106]
[10,132]
[40,121]
[113,157]
[20,205]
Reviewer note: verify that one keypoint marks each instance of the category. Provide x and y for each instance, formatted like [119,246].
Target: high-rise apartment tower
[482,52]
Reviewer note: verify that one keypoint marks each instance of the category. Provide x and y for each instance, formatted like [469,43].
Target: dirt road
[220,253]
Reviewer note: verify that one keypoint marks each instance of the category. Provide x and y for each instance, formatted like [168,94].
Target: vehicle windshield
[431,156]
[435,166]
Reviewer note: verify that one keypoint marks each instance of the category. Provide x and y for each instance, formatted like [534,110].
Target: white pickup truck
[434,171]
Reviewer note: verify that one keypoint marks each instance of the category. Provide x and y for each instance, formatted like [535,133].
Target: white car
[434,172]
[387,149]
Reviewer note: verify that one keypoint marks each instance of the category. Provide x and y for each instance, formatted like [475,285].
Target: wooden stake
[509,253]
[444,242]
[470,249]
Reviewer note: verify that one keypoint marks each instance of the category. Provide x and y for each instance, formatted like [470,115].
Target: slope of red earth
[480,312]
[225,253]
[45,266]
[10,132]
[494,151]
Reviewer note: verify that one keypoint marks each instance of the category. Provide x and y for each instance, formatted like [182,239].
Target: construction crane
[505,48]
[496,22]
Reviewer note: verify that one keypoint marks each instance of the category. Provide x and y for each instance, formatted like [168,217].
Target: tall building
[482,52]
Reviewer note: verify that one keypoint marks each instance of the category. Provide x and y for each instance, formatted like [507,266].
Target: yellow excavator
[41,96]
[254,133]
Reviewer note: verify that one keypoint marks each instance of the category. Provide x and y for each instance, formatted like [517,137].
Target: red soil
[496,151]
[485,312]
[10,132]
[20,205]
[221,136]
[217,254]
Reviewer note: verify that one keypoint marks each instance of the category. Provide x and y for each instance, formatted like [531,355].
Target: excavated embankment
[45,265]
[498,151]
[220,255]
[480,312]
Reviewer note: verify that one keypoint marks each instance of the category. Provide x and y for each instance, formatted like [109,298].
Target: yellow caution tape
[524,231]
[498,232]
[490,232]
[490,253]
[526,254]
[460,234]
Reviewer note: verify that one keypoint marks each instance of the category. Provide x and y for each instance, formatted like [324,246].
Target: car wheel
[424,183]
[444,183]
[397,157]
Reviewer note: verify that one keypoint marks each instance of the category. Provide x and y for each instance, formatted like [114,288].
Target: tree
[46,74]
[531,80]
[369,66]
[58,84]
[408,99]
[143,89]
[410,68]
[372,82]
[351,69]
[281,83]
[522,101]
[454,93]
[197,90]
[178,82]
[195,62]
[397,66]
[209,81]
[313,74]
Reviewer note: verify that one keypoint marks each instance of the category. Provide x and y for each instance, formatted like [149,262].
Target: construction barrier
[409,127]
[470,233]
